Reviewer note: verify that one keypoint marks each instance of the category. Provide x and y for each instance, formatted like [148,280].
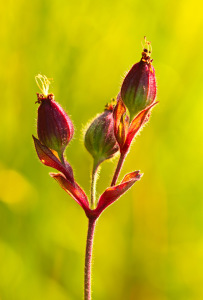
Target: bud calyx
[139,86]
[100,140]
[54,127]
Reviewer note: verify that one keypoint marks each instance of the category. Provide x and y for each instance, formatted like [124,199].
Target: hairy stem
[88,259]
[118,168]
[93,184]
[61,157]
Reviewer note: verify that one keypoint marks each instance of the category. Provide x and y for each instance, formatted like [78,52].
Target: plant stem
[118,168]
[93,184]
[61,157]
[88,259]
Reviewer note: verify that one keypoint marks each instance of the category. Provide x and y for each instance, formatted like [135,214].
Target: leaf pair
[67,182]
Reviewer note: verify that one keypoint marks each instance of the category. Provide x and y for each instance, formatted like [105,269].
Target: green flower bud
[100,140]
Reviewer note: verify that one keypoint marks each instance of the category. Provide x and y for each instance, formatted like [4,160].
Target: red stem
[118,168]
[88,259]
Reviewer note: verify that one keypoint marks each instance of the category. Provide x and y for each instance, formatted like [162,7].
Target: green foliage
[155,250]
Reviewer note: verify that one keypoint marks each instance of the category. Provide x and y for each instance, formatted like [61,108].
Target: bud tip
[43,84]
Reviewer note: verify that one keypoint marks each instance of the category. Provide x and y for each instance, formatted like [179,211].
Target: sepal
[136,125]
[111,194]
[47,157]
[73,189]
[121,122]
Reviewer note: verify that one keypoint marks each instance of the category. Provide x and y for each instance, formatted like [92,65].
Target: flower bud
[100,140]
[139,86]
[54,127]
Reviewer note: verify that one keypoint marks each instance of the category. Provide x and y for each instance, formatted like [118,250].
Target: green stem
[93,184]
[118,168]
[61,157]
[88,259]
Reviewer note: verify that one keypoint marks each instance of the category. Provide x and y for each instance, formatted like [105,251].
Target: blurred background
[149,244]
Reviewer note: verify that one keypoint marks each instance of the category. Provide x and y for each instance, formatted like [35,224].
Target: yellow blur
[149,245]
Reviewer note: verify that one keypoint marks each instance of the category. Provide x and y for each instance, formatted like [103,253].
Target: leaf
[119,110]
[49,159]
[136,125]
[121,122]
[74,190]
[111,194]
[131,176]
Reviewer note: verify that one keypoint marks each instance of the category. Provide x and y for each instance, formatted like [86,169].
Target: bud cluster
[110,133]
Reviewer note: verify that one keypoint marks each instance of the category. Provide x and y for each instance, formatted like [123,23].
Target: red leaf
[131,176]
[121,122]
[49,159]
[136,125]
[111,194]
[74,190]
[119,110]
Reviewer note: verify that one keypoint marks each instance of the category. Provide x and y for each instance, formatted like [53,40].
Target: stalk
[61,157]
[88,259]
[93,184]
[90,236]
[118,168]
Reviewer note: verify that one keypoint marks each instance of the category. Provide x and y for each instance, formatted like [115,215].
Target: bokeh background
[149,245]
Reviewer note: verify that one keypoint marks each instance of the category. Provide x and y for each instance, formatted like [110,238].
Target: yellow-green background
[149,245]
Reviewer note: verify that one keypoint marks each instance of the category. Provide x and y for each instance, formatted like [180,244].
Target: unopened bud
[54,127]
[100,140]
[139,86]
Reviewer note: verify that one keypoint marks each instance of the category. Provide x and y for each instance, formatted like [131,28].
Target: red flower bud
[100,140]
[54,127]
[139,86]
